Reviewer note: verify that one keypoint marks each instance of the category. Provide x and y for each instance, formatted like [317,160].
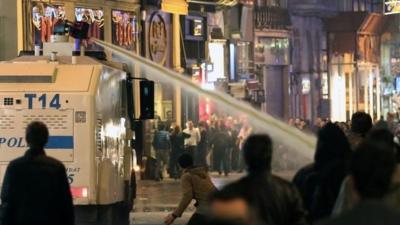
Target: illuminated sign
[392,7]
[158,39]
[197,28]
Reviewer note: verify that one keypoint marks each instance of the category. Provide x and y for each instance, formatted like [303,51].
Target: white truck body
[84,107]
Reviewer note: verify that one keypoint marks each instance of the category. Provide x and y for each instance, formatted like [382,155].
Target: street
[155,200]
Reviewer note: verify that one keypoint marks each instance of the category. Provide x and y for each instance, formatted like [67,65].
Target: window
[367,5]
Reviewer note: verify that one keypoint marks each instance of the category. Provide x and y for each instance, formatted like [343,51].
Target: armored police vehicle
[85,104]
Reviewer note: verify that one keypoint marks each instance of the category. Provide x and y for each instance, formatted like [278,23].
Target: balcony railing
[271,18]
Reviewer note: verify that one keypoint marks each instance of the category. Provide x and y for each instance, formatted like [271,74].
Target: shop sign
[391,7]
[158,39]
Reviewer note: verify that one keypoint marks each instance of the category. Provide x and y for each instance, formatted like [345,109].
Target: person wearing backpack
[162,145]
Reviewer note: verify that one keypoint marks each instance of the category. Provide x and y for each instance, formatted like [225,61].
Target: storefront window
[124,29]
[216,53]
[44,17]
[95,19]
[272,51]
[245,68]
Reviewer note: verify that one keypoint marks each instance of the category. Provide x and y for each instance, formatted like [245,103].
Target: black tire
[121,214]
[105,214]
[85,215]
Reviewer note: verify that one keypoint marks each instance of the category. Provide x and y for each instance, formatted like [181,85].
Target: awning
[360,22]
[345,22]
[346,27]
[373,24]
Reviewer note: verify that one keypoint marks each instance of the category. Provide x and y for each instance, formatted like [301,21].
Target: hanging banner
[391,7]
[124,29]
[44,17]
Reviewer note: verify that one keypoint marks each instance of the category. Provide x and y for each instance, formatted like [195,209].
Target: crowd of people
[391,123]
[215,145]
[354,179]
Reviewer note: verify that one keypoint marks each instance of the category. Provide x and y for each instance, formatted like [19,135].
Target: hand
[169,219]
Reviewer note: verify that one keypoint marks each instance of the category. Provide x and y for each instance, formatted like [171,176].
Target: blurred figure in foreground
[273,200]
[228,206]
[371,171]
[35,188]
[346,199]
[320,182]
[196,184]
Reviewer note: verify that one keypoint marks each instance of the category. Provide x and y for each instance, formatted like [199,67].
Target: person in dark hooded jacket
[35,188]
[272,199]
[196,184]
[319,183]
[177,149]
[361,124]
[221,151]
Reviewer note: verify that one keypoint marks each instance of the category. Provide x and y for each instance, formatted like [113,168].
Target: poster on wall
[391,7]
[95,19]
[44,17]
[124,29]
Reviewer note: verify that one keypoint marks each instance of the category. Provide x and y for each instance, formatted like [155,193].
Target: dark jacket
[319,183]
[203,144]
[161,140]
[36,192]
[367,213]
[275,200]
[221,140]
[320,188]
[178,142]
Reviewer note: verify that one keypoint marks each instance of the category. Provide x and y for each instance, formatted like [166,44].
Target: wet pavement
[155,200]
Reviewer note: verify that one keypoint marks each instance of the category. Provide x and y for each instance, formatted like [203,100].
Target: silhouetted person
[346,200]
[361,123]
[319,183]
[371,171]
[202,147]
[196,185]
[274,200]
[177,149]
[221,151]
[35,187]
